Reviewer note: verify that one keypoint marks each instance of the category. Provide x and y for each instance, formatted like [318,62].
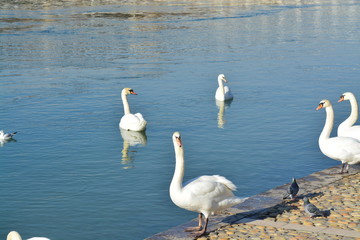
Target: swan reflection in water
[222,105]
[4,141]
[131,139]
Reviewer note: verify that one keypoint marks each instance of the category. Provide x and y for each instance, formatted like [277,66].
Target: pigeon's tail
[286,196]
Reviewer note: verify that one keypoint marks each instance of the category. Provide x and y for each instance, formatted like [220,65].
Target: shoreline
[269,205]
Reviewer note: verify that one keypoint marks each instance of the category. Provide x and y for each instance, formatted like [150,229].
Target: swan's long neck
[354,112]
[176,182]
[221,86]
[329,123]
[125,103]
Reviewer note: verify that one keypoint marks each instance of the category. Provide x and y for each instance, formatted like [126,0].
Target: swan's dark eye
[131,90]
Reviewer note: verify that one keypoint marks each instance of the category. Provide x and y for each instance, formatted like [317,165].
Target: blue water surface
[71,174]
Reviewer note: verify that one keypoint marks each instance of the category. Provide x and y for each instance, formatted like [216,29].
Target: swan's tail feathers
[226,182]
[142,121]
[229,202]
[241,200]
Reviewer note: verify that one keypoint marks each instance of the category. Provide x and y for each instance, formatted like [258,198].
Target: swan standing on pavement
[223,93]
[205,195]
[346,128]
[13,235]
[132,122]
[344,149]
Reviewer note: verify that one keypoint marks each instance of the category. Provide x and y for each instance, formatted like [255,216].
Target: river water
[71,173]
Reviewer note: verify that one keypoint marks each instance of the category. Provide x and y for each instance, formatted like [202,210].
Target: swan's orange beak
[133,93]
[319,107]
[178,141]
[341,98]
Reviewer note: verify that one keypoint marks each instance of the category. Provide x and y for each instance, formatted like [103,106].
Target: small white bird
[6,136]
[205,195]
[344,149]
[13,235]
[347,128]
[131,122]
[223,93]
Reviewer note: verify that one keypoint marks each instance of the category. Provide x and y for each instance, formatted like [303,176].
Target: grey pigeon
[311,209]
[292,190]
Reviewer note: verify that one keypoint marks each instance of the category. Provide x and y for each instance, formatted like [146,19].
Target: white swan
[344,149]
[223,93]
[346,128]
[13,235]
[132,122]
[6,136]
[205,195]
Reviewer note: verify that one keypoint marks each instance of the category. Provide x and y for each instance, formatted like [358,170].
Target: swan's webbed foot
[198,228]
[198,233]
[193,229]
[202,231]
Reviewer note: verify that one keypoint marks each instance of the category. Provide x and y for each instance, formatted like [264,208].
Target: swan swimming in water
[344,149]
[346,128]
[205,194]
[223,93]
[13,235]
[131,122]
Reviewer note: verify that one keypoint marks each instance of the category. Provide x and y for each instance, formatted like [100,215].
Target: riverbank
[268,216]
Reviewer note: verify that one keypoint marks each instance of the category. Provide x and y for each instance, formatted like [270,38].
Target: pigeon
[311,209]
[292,190]
[6,136]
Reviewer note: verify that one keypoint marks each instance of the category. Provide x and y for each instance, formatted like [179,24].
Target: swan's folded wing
[353,132]
[227,89]
[213,185]
[139,116]
[132,121]
[343,148]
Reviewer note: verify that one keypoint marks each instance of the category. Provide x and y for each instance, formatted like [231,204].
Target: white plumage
[13,235]
[223,93]
[132,122]
[205,195]
[346,128]
[344,149]
[6,136]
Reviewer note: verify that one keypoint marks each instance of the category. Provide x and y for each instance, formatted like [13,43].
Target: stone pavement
[268,216]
